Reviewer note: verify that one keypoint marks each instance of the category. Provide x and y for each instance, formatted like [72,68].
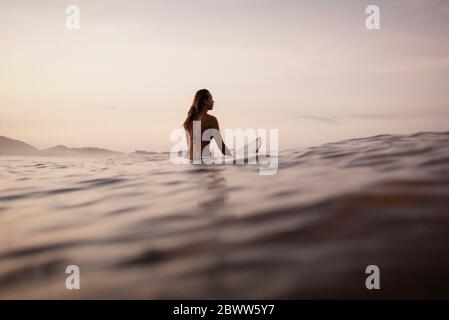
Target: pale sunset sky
[310,69]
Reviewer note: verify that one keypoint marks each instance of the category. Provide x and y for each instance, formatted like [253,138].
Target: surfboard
[239,156]
[255,145]
[243,155]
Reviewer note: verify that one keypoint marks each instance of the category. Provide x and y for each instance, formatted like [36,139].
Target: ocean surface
[139,226]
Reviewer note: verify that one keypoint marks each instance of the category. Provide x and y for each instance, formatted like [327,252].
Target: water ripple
[192,231]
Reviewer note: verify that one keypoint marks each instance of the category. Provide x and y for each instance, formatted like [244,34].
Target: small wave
[217,230]
[102,181]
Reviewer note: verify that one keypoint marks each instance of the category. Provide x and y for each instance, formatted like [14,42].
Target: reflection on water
[141,227]
[212,188]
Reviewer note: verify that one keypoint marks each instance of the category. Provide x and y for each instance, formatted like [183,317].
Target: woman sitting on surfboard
[202,103]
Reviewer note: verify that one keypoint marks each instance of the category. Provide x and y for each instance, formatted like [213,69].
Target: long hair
[197,107]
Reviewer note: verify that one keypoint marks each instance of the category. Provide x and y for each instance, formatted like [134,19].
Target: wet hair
[197,107]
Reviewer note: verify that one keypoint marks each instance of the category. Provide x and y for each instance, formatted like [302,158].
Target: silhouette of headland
[10,146]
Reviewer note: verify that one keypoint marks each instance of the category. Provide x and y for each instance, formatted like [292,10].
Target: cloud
[372,116]
[320,119]
[381,116]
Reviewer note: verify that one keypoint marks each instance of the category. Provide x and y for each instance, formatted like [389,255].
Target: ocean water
[138,226]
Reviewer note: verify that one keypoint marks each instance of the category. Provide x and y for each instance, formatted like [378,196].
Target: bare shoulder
[212,121]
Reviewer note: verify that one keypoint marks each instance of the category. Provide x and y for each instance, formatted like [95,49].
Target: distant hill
[61,150]
[15,147]
[143,152]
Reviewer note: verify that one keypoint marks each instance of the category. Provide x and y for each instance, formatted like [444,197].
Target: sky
[311,69]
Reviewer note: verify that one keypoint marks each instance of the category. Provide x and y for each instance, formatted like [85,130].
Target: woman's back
[195,132]
[198,121]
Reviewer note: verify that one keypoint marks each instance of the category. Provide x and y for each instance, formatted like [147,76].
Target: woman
[202,103]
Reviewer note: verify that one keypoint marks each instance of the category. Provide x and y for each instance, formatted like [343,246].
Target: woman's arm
[223,148]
